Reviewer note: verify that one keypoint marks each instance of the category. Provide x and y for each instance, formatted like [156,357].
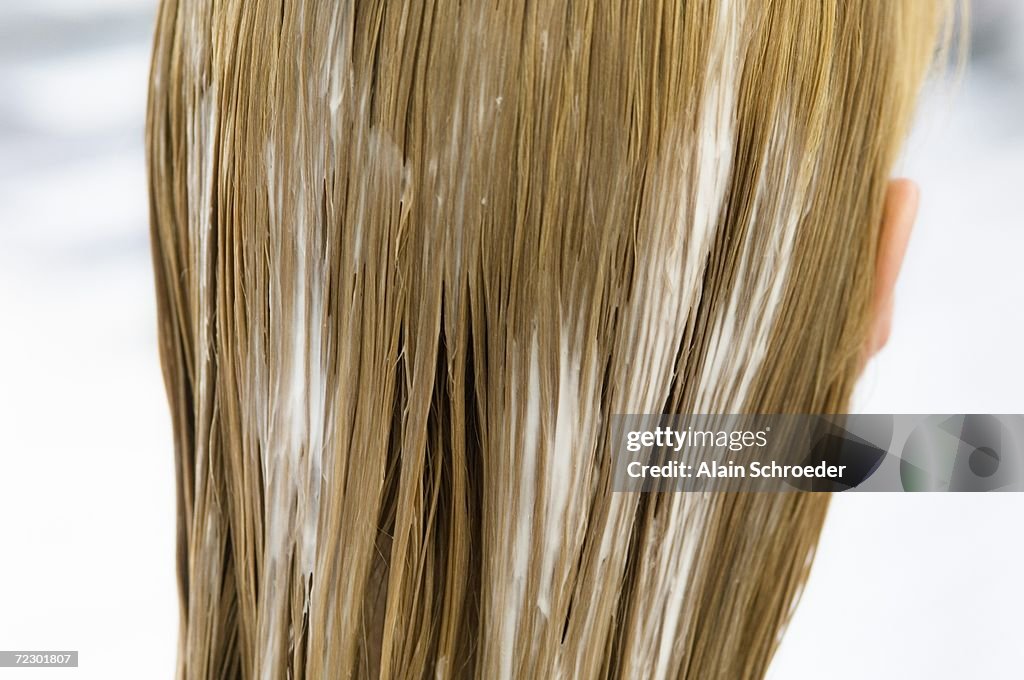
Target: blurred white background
[923,586]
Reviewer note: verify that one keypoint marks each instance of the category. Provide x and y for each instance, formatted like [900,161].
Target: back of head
[412,256]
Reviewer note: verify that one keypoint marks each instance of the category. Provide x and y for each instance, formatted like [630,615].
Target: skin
[898,217]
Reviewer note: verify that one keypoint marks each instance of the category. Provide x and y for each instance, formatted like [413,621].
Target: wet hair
[412,256]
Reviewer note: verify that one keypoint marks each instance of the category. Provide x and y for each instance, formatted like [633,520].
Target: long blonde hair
[411,256]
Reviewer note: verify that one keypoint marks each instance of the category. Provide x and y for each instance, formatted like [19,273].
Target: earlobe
[898,216]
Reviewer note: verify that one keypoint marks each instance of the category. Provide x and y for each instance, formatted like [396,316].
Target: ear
[898,216]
